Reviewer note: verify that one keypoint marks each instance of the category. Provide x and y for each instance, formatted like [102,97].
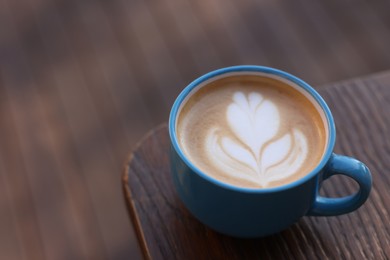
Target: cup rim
[267,70]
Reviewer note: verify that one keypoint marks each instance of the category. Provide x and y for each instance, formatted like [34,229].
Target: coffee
[252,130]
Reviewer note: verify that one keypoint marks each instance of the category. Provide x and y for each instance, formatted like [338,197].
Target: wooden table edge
[128,197]
[334,84]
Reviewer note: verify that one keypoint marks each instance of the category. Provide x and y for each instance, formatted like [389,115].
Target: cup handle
[352,168]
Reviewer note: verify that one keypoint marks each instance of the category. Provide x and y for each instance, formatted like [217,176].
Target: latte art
[258,156]
[251,131]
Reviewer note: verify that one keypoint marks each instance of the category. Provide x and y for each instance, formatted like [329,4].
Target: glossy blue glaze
[339,164]
[245,212]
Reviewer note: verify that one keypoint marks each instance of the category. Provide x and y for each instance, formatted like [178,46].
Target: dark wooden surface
[166,230]
[81,81]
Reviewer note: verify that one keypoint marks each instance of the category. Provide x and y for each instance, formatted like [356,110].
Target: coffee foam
[251,131]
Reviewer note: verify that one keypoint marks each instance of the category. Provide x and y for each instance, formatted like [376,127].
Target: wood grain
[166,230]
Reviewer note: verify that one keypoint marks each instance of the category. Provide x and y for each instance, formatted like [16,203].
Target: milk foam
[256,154]
[252,131]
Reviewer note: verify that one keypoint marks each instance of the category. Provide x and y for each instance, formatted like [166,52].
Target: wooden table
[166,230]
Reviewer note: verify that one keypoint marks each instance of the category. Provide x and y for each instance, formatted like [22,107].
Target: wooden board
[166,230]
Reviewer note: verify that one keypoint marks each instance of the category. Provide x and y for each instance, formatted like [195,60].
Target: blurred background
[81,81]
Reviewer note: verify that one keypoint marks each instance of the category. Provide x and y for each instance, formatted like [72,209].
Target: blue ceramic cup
[248,212]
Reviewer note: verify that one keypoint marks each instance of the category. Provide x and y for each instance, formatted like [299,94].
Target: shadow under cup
[250,212]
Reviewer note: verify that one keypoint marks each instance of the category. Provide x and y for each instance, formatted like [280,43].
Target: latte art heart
[251,131]
[257,156]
